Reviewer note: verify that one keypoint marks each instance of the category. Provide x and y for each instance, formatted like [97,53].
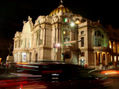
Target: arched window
[82,41]
[30,56]
[118,47]
[98,38]
[114,46]
[82,32]
[36,57]
[66,35]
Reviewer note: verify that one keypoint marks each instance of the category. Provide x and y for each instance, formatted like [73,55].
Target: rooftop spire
[61,2]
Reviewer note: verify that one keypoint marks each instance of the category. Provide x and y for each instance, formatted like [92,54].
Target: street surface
[70,77]
[115,82]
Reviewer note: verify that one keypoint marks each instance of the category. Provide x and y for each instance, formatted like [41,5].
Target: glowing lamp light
[57,45]
[110,46]
[21,86]
[72,24]
[110,72]
[64,32]
[77,22]
[0,60]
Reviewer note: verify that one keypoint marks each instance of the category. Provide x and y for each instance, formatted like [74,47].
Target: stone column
[27,57]
[106,60]
[116,46]
[21,56]
[14,44]
[56,35]
[43,32]
[100,57]
[32,57]
[95,58]
[18,55]
[112,45]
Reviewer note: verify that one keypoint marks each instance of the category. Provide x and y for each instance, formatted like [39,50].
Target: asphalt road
[12,82]
[115,82]
[8,81]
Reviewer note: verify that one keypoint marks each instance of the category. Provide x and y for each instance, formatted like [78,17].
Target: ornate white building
[62,35]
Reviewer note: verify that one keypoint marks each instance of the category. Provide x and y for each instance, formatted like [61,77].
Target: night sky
[14,12]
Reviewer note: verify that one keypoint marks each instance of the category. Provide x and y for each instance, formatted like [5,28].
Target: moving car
[52,75]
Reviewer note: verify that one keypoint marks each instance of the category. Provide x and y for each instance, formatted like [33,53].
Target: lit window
[115,58]
[24,57]
[118,48]
[110,46]
[99,38]
[111,58]
[114,47]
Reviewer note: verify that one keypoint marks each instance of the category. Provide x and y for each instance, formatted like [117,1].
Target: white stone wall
[39,38]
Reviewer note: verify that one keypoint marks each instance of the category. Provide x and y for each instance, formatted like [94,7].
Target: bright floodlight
[72,24]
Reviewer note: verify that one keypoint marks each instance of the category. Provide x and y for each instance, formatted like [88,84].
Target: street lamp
[74,47]
[71,24]
[57,45]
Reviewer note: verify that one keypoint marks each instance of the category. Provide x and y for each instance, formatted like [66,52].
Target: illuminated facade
[63,35]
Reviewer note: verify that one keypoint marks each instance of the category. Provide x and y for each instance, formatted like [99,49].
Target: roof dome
[60,10]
